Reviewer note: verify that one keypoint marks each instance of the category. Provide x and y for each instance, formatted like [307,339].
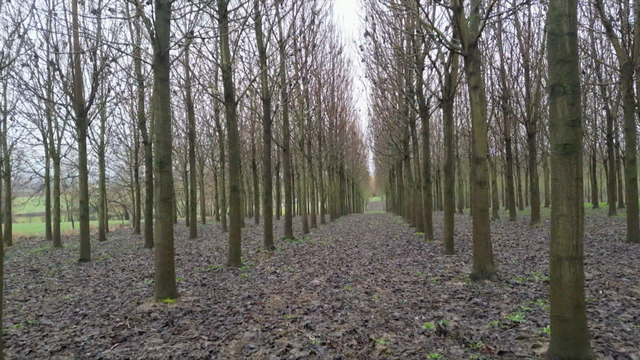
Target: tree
[569,335]
[469,31]
[165,271]
[286,131]
[628,56]
[234,257]
[265,95]
[191,135]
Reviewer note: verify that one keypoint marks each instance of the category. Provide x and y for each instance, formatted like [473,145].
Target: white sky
[348,15]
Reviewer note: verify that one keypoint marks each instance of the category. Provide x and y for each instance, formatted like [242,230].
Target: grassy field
[28,205]
[37,228]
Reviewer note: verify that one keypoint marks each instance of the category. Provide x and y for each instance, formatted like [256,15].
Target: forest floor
[365,286]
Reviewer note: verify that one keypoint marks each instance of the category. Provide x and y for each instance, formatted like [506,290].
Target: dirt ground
[362,287]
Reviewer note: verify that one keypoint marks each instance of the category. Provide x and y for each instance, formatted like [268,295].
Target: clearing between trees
[365,286]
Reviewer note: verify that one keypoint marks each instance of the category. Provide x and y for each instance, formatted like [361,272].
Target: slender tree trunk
[483,264]
[278,187]
[256,184]
[203,203]
[569,334]
[81,131]
[547,183]
[57,216]
[267,177]
[191,136]
[147,142]
[448,120]
[286,134]
[234,256]
[8,198]
[511,197]
[495,202]
[165,271]
[594,180]
[102,179]
[47,194]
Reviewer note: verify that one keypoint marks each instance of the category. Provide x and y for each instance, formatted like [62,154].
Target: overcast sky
[348,15]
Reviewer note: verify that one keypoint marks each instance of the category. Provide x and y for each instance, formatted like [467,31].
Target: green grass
[375,199]
[28,205]
[603,210]
[37,228]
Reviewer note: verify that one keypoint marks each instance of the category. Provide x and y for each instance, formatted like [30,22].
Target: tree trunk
[286,133]
[191,136]
[495,202]
[102,179]
[81,131]
[511,197]
[267,177]
[234,256]
[483,264]
[145,135]
[165,271]
[47,194]
[594,180]
[569,334]
[449,89]
[57,216]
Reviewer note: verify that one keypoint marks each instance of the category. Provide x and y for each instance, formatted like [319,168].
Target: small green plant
[244,268]
[288,316]
[215,267]
[434,280]
[429,326]
[244,275]
[288,269]
[169,301]
[179,279]
[418,233]
[546,330]
[476,345]
[381,341]
[419,273]
[68,297]
[376,297]
[494,323]
[148,281]
[524,308]
[348,287]
[314,341]
[516,317]
[434,355]
[540,302]
[538,276]
[443,322]
[519,278]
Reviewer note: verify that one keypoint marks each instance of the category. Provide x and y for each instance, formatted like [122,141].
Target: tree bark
[448,91]
[234,256]
[483,264]
[569,334]
[191,136]
[165,271]
[81,131]
[286,133]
